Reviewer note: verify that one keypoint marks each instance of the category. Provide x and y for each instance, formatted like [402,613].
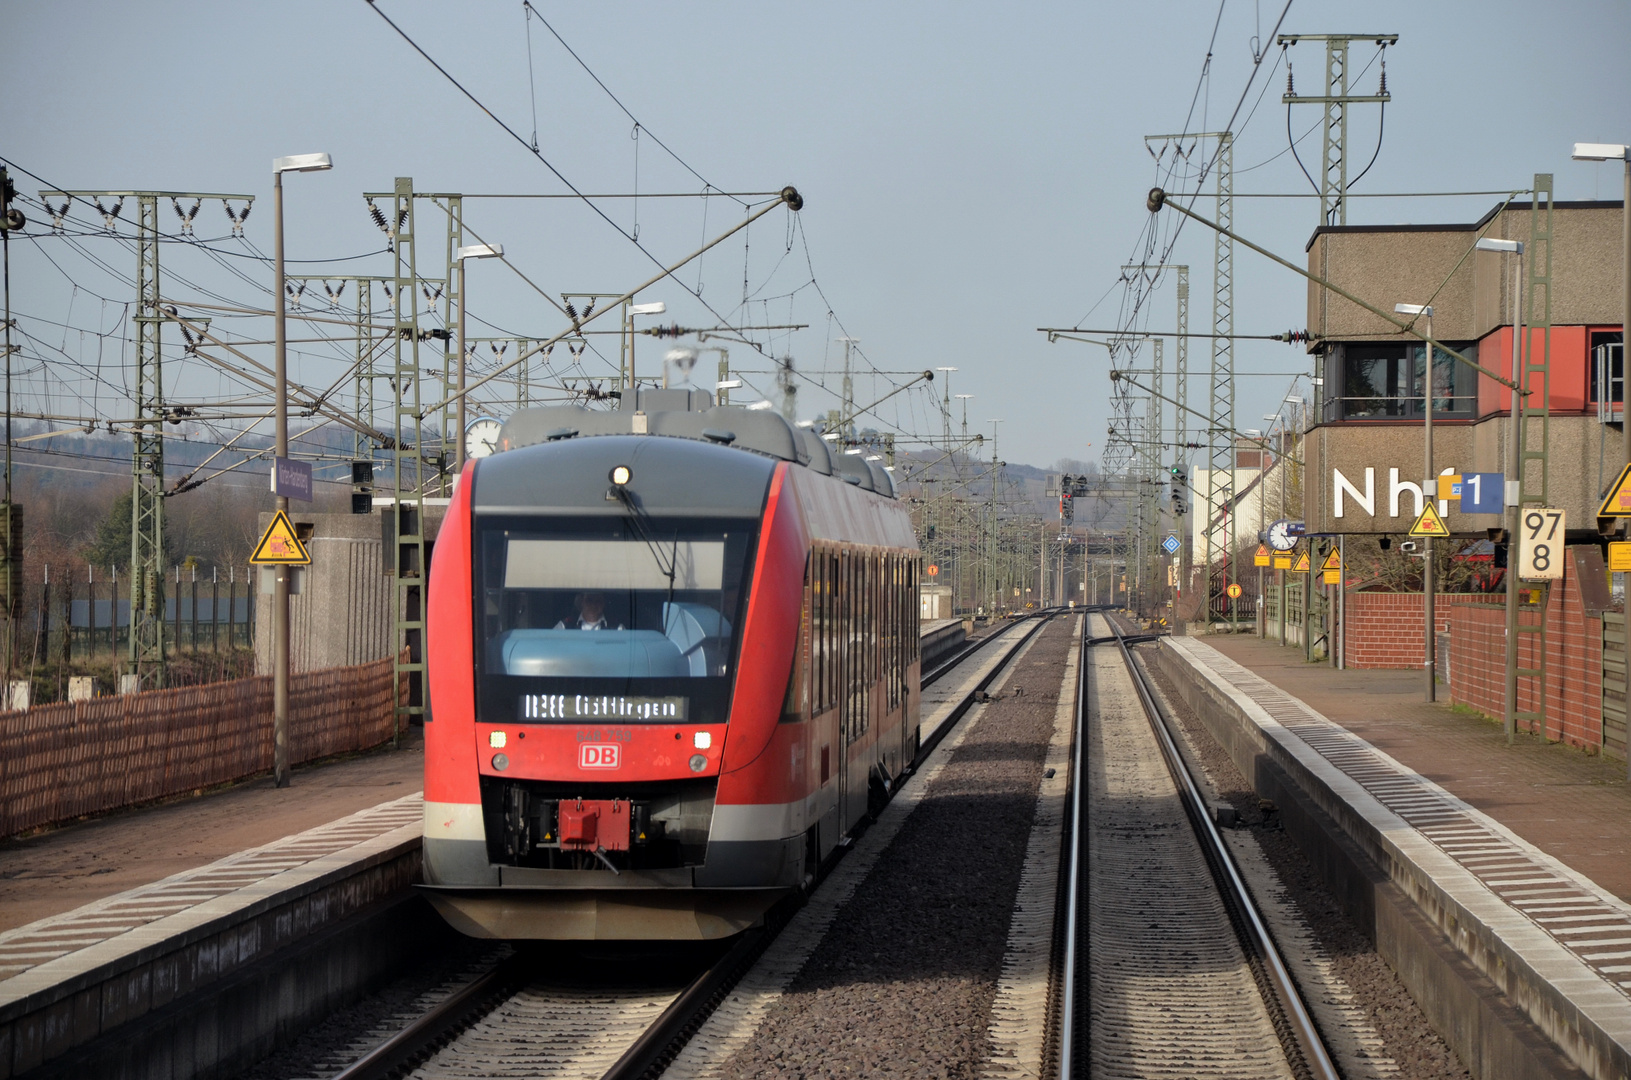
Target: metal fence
[67,760]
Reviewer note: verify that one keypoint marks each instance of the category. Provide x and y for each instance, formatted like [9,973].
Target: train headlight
[621,475]
[702,740]
[698,762]
[501,762]
[495,739]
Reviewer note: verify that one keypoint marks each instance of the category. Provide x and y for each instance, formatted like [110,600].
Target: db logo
[599,755]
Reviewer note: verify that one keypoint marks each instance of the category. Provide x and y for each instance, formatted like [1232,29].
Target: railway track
[1166,967]
[515,1020]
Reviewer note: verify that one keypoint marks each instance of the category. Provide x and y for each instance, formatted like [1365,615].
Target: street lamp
[1620,152]
[1429,491]
[280,375]
[655,308]
[474,251]
[1513,476]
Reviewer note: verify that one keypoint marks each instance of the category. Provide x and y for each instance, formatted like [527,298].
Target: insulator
[1291,82]
[572,313]
[379,218]
[590,310]
[58,213]
[401,219]
[1382,90]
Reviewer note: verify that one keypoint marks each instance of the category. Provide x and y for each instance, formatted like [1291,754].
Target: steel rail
[656,1047]
[1257,939]
[1075,836]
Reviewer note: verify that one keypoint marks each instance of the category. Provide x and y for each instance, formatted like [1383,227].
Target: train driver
[591,613]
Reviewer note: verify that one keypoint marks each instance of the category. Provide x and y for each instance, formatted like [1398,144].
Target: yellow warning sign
[1261,557]
[1333,561]
[280,546]
[1619,556]
[1234,590]
[1302,564]
[1333,577]
[1282,560]
[1617,503]
[1428,523]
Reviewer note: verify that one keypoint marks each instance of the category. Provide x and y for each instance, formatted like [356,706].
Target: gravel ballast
[903,983]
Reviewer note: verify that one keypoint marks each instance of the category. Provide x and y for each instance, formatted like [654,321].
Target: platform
[1517,855]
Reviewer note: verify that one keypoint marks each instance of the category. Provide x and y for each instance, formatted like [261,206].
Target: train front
[587,610]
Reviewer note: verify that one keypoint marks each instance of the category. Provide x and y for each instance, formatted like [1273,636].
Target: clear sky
[970,172]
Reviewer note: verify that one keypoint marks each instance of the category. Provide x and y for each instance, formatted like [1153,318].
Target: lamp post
[474,251]
[1514,466]
[1620,152]
[1429,491]
[654,308]
[280,376]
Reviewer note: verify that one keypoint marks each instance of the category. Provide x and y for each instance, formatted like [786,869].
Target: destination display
[568,708]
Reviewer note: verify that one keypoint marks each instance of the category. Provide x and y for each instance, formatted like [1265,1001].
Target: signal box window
[1382,381]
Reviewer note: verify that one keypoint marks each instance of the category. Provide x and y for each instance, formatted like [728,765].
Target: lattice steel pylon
[1336,99]
[1535,416]
[145,658]
[1220,476]
[408,472]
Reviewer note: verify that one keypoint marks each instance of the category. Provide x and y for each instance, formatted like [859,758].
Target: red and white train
[672,658]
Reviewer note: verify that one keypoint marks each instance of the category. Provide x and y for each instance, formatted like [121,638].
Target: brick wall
[1385,630]
[1574,650]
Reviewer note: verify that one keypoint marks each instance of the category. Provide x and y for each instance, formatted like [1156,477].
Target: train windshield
[609,619]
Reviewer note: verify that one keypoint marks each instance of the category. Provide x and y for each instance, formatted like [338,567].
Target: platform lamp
[280,376]
[1429,491]
[1514,475]
[474,251]
[1620,152]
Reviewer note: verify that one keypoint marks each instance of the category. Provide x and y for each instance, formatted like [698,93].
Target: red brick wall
[1574,663]
[1385,629]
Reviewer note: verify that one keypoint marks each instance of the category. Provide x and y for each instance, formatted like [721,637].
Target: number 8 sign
[1540,544]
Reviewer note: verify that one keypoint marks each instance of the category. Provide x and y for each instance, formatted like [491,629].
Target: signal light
[621,475]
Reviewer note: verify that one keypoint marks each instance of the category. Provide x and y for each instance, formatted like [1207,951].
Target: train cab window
[578,617]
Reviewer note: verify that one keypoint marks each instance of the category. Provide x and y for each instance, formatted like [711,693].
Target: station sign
[291,479]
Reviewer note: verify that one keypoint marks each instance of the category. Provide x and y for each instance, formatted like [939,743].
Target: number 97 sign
[1540,543]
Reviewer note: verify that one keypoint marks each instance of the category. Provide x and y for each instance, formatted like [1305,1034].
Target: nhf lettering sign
[1392,501]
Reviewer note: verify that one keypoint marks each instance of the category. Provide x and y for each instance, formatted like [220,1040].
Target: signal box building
[1365,454]
[1366,444]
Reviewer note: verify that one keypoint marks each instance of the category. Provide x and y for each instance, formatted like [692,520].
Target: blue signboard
[1483,493]
[1171,544]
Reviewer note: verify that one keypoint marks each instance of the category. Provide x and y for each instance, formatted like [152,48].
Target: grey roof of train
[692,415]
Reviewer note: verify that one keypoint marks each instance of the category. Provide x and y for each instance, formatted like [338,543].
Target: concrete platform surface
[1574,807]
[66,867]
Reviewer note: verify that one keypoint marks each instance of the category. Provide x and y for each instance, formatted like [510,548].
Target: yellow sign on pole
[1447,486]
[1333,577]
[1282,560]
[1261,557]
[1302,564]
[1619,556]
[1617,503]
[1333,561]
[280,546]
[1234,591]
[1428,523]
